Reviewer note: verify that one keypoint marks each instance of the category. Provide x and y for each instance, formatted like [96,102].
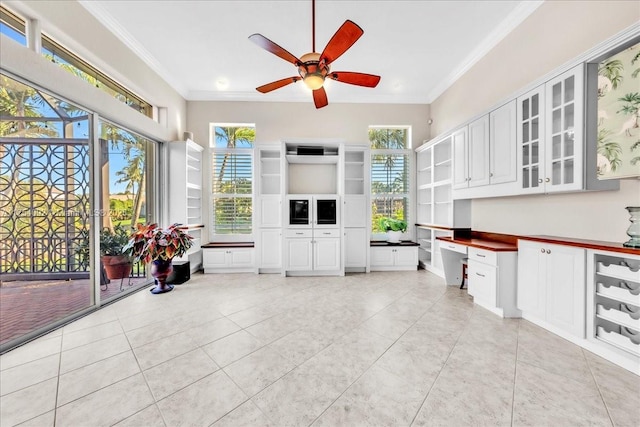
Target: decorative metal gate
[44,207]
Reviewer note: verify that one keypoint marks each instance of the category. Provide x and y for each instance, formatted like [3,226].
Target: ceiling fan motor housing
[313,71]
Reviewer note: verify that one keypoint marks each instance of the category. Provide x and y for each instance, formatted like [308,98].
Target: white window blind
[232,191]
[390,174]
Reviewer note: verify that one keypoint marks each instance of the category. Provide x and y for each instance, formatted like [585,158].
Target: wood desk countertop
[489,245]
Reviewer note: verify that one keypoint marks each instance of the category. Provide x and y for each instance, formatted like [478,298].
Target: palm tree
[612,70]
[394,182]
[635,59]
[609,150]
[235,137]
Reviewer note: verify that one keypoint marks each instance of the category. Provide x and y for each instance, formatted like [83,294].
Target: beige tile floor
[389,349]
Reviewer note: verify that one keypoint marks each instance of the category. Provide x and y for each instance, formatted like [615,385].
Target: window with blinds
[232,181]
[390,174]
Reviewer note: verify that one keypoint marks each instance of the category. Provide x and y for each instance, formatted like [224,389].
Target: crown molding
[240,96]
[515,18]
[132,43]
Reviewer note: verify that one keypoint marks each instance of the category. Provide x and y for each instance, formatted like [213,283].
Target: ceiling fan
[314,67]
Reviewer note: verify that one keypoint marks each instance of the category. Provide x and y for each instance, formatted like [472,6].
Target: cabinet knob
[540,181]
[491,174]
[542,250]
[547,180]
[548,251]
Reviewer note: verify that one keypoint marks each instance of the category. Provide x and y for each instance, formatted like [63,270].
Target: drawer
[453,247]
[482,282]
[328,232]
[482,255]
[298,232]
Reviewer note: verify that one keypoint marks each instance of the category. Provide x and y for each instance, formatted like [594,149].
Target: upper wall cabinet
[471,154]
[551,135]
[502,147]
[537,143]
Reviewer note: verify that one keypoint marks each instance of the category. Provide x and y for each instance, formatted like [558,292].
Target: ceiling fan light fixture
[314,81]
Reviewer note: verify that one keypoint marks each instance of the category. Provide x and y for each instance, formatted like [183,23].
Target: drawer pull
[481,256]
[300,233]
[481,275]
[548,251]
[542,250]
[326,233]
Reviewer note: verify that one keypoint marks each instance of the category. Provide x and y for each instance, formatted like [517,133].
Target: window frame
[410,178]
[211,153]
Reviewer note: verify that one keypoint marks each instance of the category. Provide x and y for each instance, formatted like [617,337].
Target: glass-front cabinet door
[564,136]
[530,136]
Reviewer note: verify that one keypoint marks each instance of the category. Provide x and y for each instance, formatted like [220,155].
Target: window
[390,174]
[231,180]
[71,63]
[12,26]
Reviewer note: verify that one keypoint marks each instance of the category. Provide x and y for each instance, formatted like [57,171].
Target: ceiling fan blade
[359,79]
[320,98]
[342,40]
[277,84]
[270,46]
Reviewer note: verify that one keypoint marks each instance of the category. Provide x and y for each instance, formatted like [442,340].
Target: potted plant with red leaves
[158,246]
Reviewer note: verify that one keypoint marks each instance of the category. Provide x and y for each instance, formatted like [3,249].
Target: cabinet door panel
[356,246]
[213,258]
[382,257]
[355,211]
[270,248]
[566,292]
[530,134]
[478,152]
[503,145]
[406,257]
[482,279]
[531,285]
[270,211]
[459,151]
[326,254]
[241,258]
[299,254]
[564,136]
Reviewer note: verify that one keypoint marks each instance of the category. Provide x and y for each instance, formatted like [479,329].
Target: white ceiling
[201,48]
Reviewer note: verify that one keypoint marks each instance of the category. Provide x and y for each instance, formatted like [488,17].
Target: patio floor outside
[26,306]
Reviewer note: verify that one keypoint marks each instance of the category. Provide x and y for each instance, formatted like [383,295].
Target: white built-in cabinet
[268,215]
[502,148]
[471,154]
[551,286]
[312,250]
[551,135]
[437,214]
[228,260]
[491,280]
[185,191]
[535,143]
[613,306]
[356,208]
[386,258]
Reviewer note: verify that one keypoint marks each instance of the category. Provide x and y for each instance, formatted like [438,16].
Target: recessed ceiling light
[222,83]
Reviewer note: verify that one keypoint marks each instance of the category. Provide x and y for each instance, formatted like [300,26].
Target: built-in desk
[492,268]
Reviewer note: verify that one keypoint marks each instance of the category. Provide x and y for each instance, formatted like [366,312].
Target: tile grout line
[383,353]
[515,374]
[443,365]
[595,381]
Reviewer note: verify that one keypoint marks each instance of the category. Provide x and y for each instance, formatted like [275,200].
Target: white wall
[554,34]
[276,121]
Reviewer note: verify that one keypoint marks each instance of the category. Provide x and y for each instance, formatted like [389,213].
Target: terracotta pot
[160,270]
[117,266]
